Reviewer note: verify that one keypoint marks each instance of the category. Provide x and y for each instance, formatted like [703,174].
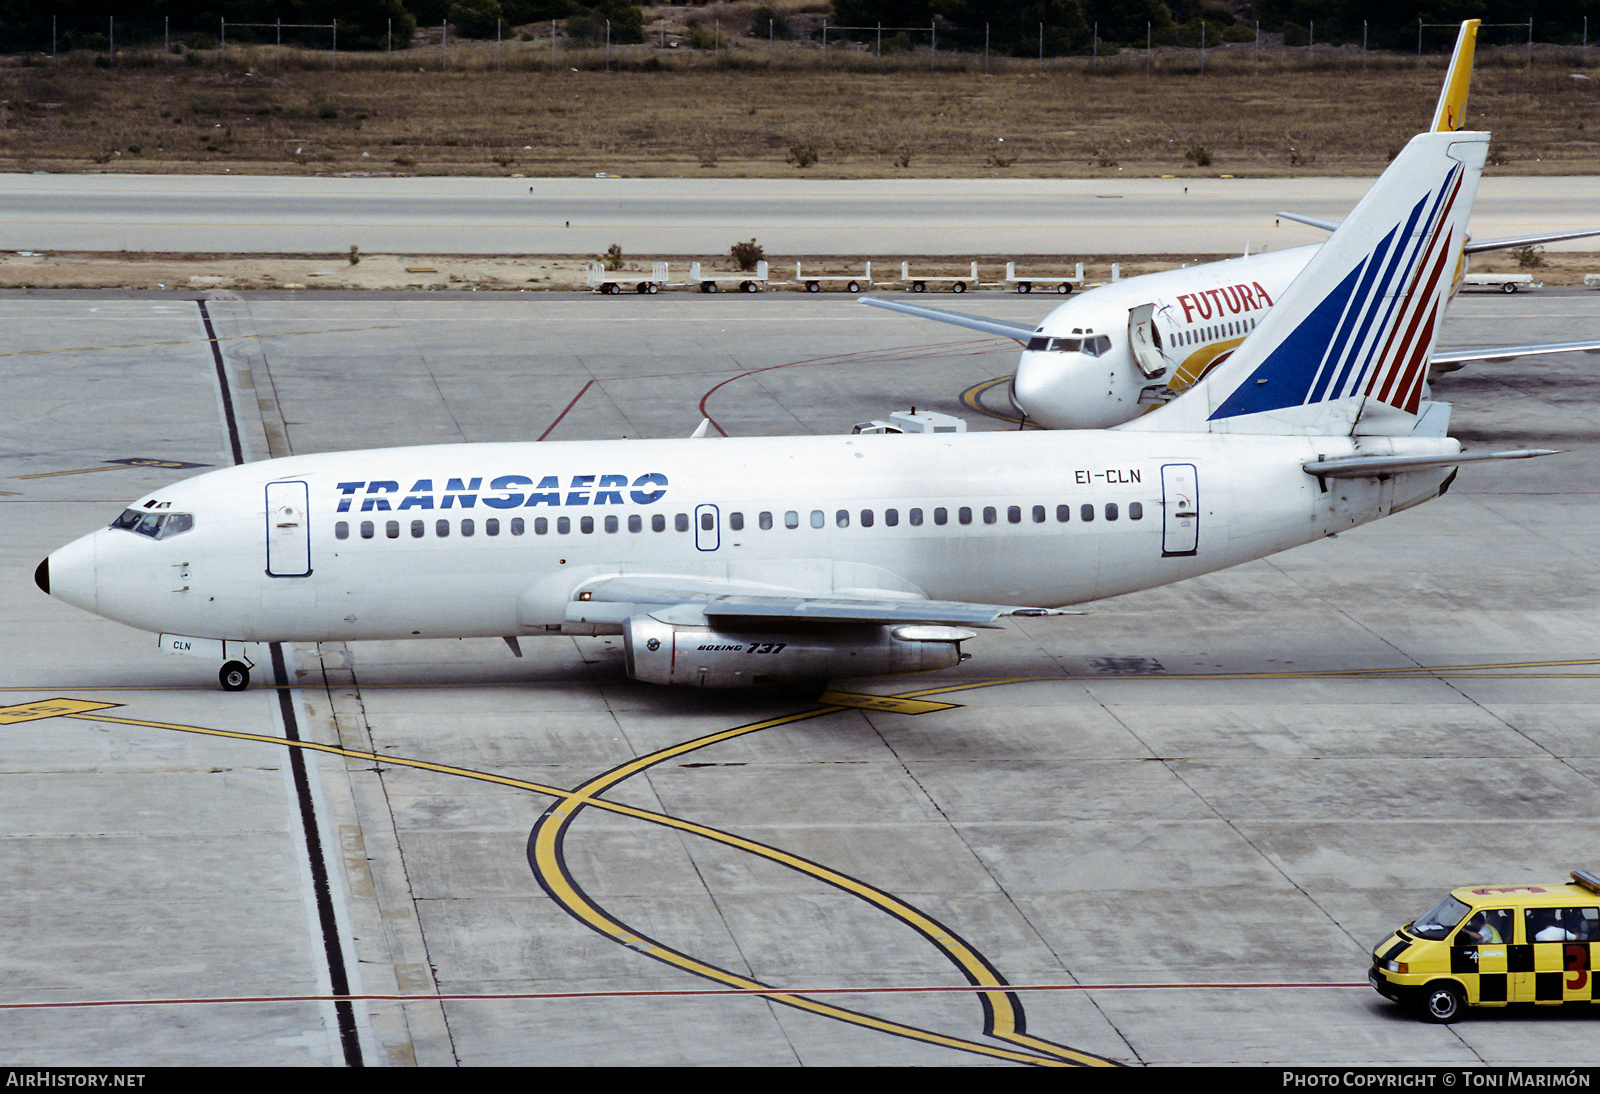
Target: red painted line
[569,406]
[688,993]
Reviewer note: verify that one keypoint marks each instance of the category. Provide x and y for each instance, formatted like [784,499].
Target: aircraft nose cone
[1035,390]
[69,574]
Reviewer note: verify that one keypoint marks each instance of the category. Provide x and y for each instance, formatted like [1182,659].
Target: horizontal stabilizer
[1020,331]
[1472,246]
[1448,360]
[1359,467]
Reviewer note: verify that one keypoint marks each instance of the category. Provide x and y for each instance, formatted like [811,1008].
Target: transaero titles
[505,492]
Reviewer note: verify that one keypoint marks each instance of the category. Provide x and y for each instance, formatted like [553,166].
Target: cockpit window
[154,525]
[1094,344]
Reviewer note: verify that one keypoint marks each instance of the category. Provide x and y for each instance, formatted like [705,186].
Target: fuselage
[496,539]
[1082,369]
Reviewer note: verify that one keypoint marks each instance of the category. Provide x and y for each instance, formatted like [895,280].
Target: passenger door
[707,528]
[288,530]
[1180,510]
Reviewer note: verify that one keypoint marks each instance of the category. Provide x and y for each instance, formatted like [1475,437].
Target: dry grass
[736,112]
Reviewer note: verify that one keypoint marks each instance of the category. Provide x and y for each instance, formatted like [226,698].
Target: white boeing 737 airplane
[1119,350]
[736,562]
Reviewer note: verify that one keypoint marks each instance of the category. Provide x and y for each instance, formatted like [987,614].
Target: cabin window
[681,522]
[635,523]
[765,520]
[990,515]
[341,530]
[1063,514]
[818,519]
[941,516]
[891,517]
[392,529]
[1038,514]
[1136,510]
[964,515]
[866,518]
[915,517]
[1014,514]
[366,529]
[842,518]
[563,526]
[658,522]
[541,526]
[441,528]
[707,521]
[611,524]
[491,527]
[1111,510]
[586,525]
[468,527]
[791,519]
[517,526]
[736,522]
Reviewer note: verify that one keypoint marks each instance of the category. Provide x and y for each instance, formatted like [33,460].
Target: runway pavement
[1165,833]
[819,217]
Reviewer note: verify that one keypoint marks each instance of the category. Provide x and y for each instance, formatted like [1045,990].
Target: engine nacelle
[661,653]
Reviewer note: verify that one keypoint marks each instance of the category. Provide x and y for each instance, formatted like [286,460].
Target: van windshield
[1440,920]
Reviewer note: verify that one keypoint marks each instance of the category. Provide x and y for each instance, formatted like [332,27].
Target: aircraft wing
[1020,331]
[611,600]
[1449,360]
[1473,246]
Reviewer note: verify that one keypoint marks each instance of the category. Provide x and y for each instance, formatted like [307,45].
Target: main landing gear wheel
[234,676]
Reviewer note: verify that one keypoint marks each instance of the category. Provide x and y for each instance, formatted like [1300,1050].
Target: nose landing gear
[234,676]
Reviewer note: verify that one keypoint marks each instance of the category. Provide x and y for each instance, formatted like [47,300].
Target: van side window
[1488,927]
[1562,924]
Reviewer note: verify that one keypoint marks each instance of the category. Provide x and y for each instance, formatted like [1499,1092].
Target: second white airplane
[1120,350]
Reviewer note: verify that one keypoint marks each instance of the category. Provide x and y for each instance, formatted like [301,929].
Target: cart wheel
[1024,287]
[708,286]
[959,286]
[1063,288]
[652,288]
[644,287]
[854,286]
[748,286]
[919,286]
[1508,287]
[812,286]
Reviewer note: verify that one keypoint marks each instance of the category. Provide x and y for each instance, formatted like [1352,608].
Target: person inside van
[1486,928]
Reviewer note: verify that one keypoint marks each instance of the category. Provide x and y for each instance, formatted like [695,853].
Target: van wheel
[1443,1003]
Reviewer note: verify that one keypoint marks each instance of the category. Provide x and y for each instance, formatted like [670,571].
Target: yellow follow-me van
[1493,945]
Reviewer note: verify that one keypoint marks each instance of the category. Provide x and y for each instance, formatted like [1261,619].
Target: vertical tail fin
[1348,342]
[1451,113]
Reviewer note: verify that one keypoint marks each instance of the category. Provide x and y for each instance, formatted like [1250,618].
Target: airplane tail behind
[1451,113]
[1346,348]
